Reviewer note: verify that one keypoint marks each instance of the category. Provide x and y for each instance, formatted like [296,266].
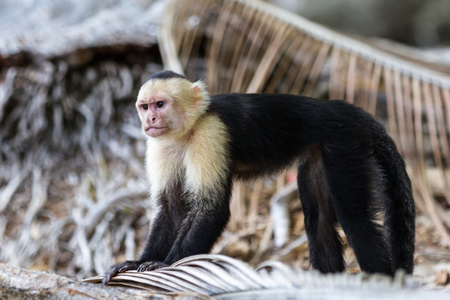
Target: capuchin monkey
[349,173]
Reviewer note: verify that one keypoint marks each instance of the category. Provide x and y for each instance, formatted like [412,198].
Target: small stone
[442,278]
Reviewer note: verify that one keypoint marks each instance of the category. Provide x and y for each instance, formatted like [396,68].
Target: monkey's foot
[119,268]
[151,265]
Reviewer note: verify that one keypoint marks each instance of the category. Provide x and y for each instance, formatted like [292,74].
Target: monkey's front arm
[174,236]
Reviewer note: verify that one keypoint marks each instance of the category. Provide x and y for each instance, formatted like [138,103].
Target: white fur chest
[164,164]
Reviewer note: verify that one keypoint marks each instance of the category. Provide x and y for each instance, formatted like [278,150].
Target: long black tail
[395,189]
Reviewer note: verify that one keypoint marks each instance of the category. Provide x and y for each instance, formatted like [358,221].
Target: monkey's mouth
[155,131]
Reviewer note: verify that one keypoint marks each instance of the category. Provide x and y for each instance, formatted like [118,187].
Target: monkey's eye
[145,106]
[159,104]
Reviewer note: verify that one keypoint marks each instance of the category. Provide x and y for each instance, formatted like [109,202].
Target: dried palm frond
[251,46]
[226,278]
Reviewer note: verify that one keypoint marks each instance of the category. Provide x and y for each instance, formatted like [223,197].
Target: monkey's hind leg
[395,190]
[350,179]
[325,245]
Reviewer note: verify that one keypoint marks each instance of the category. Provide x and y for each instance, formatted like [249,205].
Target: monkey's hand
[132,265]
[151,265]
[119,268]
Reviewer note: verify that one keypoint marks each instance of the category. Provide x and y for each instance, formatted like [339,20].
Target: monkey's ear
[198,87]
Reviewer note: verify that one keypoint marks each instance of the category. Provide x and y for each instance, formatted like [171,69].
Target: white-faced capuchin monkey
[349,173]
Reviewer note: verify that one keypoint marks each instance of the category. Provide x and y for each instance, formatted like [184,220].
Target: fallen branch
[24,284]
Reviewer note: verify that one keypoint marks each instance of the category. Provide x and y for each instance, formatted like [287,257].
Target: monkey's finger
[146,267]
[125,268]
[120,268]
[150,266]
[109,275]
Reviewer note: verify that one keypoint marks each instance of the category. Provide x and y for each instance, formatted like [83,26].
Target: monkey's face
[170,107]
[158,112]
